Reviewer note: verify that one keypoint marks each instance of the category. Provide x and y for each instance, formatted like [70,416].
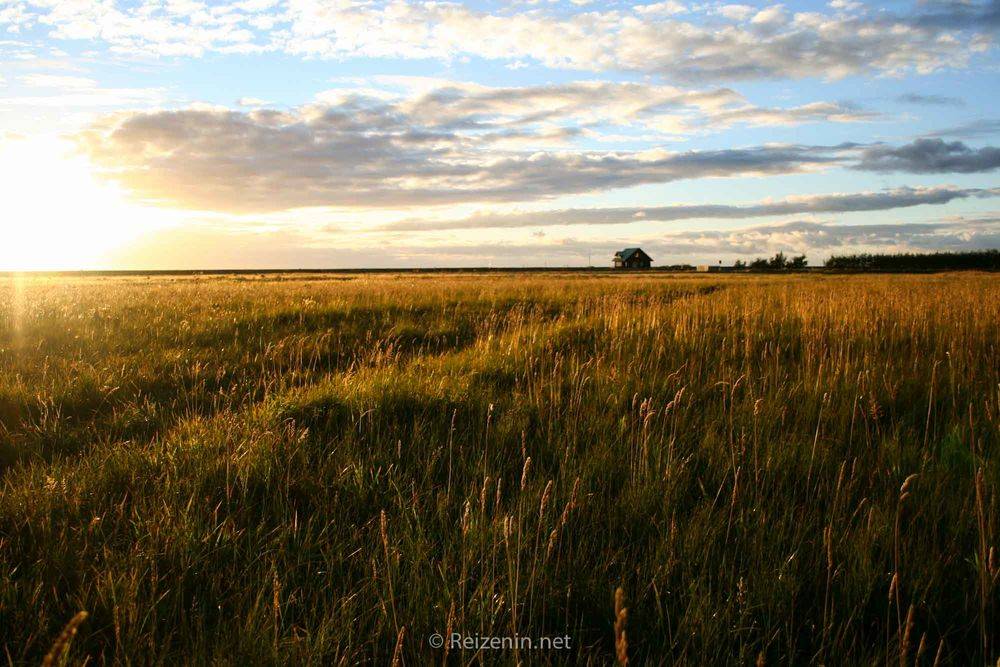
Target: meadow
[667,469]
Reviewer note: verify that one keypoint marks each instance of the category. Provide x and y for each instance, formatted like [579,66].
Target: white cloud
[666,8]
[57,81]
[770,16]
[845,5]
[171,28]
[78,92]
[251,102]
[735,12]
[14,16]
[747,44]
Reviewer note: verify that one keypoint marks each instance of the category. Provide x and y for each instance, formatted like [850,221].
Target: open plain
[330,469]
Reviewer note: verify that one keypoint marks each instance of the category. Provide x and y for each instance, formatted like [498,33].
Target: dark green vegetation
[778,262]
[793,469]
[984,260]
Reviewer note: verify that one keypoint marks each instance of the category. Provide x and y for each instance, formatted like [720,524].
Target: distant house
[632,258]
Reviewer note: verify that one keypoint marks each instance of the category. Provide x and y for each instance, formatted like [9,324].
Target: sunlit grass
[307,469]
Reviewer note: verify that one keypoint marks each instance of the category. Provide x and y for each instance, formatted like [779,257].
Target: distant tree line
[937,261]
[777,263]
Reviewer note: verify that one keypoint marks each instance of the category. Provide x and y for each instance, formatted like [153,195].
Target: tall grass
[708,469]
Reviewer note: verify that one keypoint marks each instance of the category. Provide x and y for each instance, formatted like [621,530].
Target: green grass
[326,471]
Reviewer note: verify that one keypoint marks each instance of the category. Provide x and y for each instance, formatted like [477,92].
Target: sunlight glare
[56,213]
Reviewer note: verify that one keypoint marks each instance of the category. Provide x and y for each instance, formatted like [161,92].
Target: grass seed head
[621,618]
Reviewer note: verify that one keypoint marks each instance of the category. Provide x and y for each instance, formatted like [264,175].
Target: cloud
[463,143]
[930,100]
[983,127]
[694,43]
[152,28]
[836,203]
[930,156]
[76,91]
[201,246]
[661,108]
[251,102]
[447,146]
[960,15]
[800,236]
[774,15]
[14,17]
[824,238]
[735,12]
[768,43]
[57,81]
[205,246]
[667,8]
[817,240]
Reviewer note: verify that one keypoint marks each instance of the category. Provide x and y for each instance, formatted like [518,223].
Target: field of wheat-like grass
[327,470]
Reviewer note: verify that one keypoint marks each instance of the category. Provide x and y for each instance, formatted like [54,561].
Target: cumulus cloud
[449,145]
[883,200]
[460,143]
[418,141]
[930,156]
[712,43]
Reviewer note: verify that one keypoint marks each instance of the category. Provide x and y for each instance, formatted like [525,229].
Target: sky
[187,134]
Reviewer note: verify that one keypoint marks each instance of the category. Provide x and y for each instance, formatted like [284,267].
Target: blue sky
[316,133]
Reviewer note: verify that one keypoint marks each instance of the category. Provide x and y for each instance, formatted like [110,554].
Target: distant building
[632,258]
[714,268]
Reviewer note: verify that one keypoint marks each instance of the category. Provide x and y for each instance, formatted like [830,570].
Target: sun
[56,213]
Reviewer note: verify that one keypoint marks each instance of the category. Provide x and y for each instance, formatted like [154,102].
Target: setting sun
[60,216]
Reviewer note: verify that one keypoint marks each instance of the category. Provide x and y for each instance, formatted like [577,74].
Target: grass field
[319,470]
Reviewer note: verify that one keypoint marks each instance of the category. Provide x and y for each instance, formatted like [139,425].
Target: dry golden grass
[310,469]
